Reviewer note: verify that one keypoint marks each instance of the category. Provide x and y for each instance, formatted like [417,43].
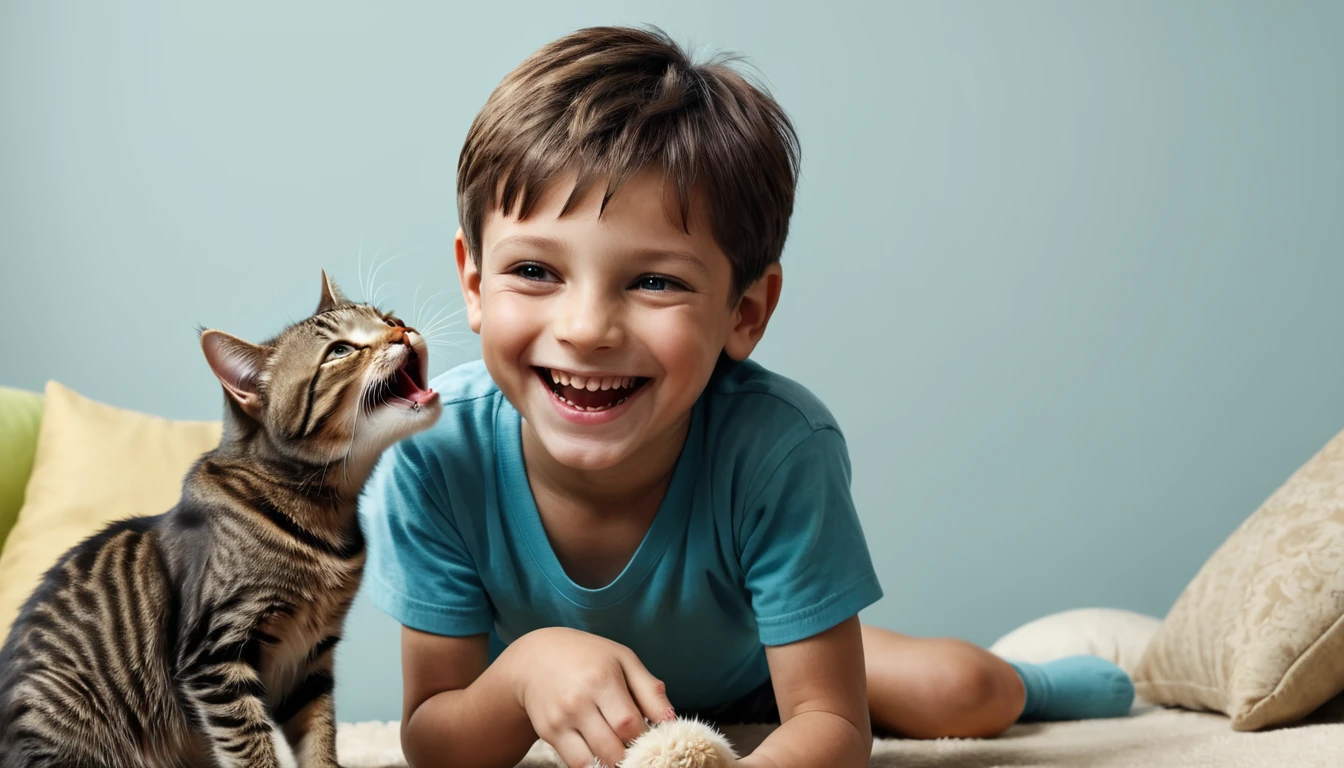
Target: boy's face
[602,332]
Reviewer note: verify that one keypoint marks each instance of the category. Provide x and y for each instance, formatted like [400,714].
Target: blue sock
[1075,688]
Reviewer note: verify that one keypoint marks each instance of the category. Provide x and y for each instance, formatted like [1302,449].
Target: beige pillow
[1259,633]
[94,464]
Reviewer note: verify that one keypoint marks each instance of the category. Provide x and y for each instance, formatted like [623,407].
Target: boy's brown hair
[606,102]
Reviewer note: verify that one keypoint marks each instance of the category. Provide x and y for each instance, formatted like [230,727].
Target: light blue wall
[1069,274]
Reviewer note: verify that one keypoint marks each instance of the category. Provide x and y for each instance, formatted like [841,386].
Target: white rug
[1152,739]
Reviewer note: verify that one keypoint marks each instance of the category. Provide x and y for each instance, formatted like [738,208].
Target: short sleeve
[803,554]
[419,571]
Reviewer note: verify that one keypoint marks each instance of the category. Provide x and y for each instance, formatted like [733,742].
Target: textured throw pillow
[1259,633]
[20,415]
[94,464]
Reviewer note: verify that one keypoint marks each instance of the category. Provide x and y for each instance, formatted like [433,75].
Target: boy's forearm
[480,726]
[812,739]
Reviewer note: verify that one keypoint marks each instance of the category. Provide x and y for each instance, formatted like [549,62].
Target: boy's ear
[469,275]
[753,313]
[236,364]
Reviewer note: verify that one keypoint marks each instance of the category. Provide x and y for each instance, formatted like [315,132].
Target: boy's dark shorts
[757,707]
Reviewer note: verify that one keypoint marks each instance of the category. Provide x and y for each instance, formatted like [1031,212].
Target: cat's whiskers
[445,334]
[373,278]
[415,298]
[325,467]
[366,399]
[461,338]
[442,323]
[366,284]
[377,297]
[415,313]
[303,484]
[360,265]
[433,323]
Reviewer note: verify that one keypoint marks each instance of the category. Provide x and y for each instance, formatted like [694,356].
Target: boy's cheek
[507,320]
[684,344]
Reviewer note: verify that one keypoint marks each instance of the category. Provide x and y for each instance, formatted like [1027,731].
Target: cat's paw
[681,743]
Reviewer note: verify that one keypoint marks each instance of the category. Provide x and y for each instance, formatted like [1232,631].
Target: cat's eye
[394,322]
[338,351]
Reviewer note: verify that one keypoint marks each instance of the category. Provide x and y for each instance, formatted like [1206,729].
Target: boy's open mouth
[597,393]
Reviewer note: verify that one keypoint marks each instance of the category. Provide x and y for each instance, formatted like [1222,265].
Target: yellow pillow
[94,464]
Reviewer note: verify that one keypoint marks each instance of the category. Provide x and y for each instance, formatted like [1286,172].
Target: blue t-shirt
[756,543]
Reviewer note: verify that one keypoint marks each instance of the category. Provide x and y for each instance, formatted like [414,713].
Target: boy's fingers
[649,692]
[621,714]
[601,740]
[573,750]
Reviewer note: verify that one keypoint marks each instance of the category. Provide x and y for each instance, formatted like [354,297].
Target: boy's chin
[583,455]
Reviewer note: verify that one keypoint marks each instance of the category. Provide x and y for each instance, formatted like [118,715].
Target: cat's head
[340,386]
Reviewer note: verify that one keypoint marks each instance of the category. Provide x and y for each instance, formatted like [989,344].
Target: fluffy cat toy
[681,743]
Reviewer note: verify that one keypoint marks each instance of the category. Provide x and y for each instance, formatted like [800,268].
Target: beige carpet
[1150,739]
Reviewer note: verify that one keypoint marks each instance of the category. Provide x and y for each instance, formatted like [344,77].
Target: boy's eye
[657,283]
[532,272]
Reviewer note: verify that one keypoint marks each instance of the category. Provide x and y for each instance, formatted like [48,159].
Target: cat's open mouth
[406,387]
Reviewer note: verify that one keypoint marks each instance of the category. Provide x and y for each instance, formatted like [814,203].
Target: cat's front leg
[308,717]
[229,701]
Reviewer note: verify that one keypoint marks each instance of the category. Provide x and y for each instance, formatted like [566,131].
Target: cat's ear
[331,295]
[237,364]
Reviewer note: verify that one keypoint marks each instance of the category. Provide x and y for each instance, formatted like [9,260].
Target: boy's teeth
[593,383]
[578,407]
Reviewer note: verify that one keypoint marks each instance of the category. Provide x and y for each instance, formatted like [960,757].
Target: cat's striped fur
[181,639]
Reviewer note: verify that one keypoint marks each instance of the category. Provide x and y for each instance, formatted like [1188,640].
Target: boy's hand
[586,696]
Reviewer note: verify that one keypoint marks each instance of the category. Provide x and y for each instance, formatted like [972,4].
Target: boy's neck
[620,487]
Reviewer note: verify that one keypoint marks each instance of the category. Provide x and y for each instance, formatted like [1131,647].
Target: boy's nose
[587,323]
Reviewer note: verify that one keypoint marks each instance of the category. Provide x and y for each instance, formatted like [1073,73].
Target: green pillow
[20,416]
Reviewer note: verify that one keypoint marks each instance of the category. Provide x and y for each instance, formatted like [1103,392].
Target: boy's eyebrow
[531,241]
[682,257]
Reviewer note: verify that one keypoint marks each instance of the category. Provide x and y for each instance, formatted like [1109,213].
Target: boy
[618,516]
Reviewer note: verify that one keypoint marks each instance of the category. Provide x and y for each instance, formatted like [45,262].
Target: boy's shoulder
[749,394]
[764,431]
[750,384]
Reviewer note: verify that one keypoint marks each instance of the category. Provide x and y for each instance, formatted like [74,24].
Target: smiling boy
[619,516]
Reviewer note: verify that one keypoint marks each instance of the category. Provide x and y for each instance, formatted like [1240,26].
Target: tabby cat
[184,638]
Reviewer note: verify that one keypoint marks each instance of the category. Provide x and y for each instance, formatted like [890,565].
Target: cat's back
[70,592]
[96,631]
